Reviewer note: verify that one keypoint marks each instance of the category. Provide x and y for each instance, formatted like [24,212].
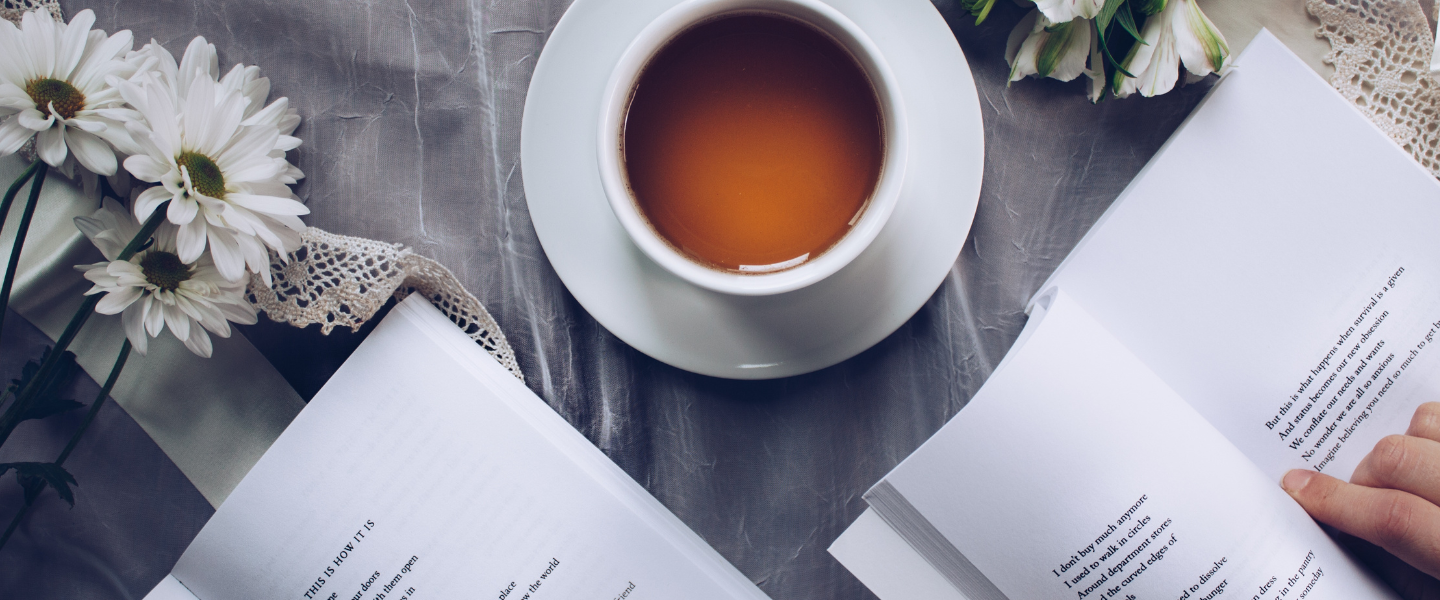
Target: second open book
[1264,296]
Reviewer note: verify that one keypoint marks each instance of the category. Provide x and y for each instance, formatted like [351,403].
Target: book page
[423,471]
[1276,265]
[1076,473]
[887,565]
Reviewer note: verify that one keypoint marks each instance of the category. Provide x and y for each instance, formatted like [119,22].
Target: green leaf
[1102,25]
[33,477]
[47,400]
[1151,7]
[1119,75]
[1127,21]
[1107,12]
[980,9]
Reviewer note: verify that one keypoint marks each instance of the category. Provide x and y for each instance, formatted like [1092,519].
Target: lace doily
[336,280]
[1381,51]
[12,9]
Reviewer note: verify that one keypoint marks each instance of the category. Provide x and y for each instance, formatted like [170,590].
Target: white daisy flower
[55,86]
[1043,48]
[1180,33]
[224,173]
[155,289]
[200,58]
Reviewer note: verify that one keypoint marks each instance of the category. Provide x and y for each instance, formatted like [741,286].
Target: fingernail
[1296,480]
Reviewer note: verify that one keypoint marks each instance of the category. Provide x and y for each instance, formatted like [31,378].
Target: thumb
[1402,523]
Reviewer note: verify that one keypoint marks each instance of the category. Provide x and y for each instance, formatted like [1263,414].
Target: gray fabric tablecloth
[412,116]
[134,512]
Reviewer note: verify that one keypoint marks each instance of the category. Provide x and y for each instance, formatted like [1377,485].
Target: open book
[424,470]
[1264,296]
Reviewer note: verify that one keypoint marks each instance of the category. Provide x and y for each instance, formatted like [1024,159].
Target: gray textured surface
[412,121]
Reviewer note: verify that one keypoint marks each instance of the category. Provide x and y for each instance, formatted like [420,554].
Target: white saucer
[751,337]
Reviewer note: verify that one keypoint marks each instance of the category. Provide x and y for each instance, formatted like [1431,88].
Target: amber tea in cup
[753,142]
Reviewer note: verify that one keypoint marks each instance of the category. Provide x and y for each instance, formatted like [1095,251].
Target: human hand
[1392,501]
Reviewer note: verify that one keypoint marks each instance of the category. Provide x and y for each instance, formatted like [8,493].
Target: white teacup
[615,105]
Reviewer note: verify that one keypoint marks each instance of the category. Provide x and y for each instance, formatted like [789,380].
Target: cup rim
[615,106]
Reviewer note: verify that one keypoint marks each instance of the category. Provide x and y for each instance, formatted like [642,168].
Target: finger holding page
[1405,463]
[1426,422]
[1400,522]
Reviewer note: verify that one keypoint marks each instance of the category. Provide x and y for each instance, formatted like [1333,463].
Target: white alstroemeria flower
[55,85]
[1062,11]
[1043,48]
[1096,70]
[224,174]
[1180,33]
[154,289]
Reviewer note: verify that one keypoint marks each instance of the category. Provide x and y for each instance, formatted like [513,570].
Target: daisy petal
[88,122]
[117,300]
[160,113]
[35,120]
[13,135]
[268,204]
[149,200]
[191,310]
[146,168]
[210,317]
[91,151]
[190,240]
[10,45]
[37,30]
[243,312]
[51,146]
[273,113]
[154,318]
[198,109]
[250,142]
[176,320]
[134,322]
[229,111]
[72,44]
[199,59]
[91,73]
[257,260]
[226,253]
[261,169]
[182,211]
[12,97]
[199,342]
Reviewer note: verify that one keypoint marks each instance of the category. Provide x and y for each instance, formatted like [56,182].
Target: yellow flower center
[164,270]
[205,175]
[46,92]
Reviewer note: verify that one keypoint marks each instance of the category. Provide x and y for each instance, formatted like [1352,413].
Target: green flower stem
[75,438]
[95,406]
[15,189]
[23,399]
[20,232]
